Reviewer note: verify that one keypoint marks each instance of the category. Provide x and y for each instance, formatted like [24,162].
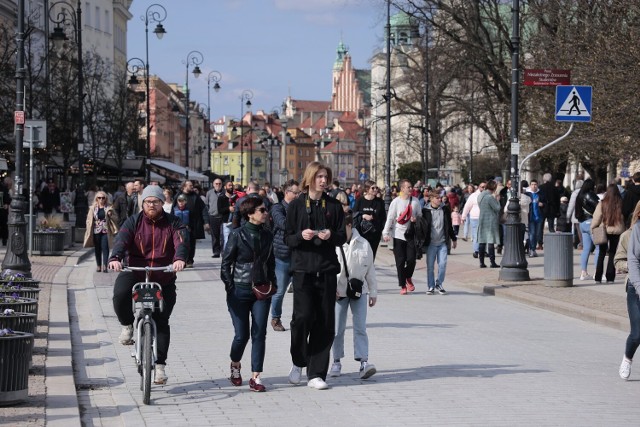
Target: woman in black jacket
[586,203]
[373,216]
[248,258]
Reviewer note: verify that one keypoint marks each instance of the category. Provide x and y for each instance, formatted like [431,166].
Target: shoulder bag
[354,286]
[599,234]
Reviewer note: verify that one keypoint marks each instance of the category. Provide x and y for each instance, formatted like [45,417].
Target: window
[97,19]
[226,160]
[87,18]
[107,22]
[299,151]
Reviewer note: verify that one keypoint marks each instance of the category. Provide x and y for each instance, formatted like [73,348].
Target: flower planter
[23,305]
[15,356]
[49,242]
[21,292]
[24,283]
[21,322]
[68,237]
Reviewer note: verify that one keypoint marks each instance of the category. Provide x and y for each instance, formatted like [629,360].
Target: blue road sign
[573,103]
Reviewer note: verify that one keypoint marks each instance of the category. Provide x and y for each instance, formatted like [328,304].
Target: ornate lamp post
[63,17]
[16,258]
[215,77]
[514,263]
[194,58]
[155,13]
[284,173]
[245,99]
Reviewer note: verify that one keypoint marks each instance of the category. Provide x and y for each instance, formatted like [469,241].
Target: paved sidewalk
[79,301]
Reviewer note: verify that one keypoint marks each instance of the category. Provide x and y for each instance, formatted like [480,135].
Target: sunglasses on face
[100,198]
[261,210]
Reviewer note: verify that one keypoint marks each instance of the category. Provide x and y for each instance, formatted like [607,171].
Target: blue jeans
[101,248]
[439,253]
[360,338]
[283,275]
[474,233]
[633,308]
[535,230]
[241,303]
[585,229]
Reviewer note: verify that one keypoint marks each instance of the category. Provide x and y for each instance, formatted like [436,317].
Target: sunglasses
[100,198]
[261,210]
[375,188]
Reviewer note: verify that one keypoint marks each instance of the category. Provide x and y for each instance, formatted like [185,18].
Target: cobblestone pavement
[459,359]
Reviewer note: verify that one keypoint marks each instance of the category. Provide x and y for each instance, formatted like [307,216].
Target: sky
[274,48]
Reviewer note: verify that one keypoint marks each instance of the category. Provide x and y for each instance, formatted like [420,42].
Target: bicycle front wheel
[147,355]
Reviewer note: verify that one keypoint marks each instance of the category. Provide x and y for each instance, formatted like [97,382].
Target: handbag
[354,286]
[599,234]
[261,290]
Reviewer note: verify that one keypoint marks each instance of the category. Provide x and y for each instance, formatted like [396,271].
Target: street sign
[363,176]
[548,77]
[35,132]
[573,103]
[18,117]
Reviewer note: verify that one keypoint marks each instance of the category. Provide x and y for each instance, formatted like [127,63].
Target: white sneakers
[126,335]
[625,368]
[161,376]
[295,374]
[317,383]
[367,370]
[336,369]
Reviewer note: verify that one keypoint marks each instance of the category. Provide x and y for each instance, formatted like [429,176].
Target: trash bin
[15,354]
[558,259]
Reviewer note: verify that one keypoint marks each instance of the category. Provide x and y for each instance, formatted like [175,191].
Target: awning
[176,172]
[157,177]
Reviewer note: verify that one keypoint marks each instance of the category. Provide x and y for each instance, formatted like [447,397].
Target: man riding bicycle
[149,238]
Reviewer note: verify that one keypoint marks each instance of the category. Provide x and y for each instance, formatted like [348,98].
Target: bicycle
[146,299]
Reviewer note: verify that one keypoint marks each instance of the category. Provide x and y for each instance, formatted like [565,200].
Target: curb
[560,307]
[62,408]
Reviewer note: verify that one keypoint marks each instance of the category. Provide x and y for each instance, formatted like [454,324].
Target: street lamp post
[215,77]
[155,13]
[284,173]
[16,258]
[59,37]
[245,99]
[194,58]
[387,178]
[514,263]
[270,140]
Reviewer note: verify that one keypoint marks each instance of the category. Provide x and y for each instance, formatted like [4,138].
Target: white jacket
[471,207]
[360,262]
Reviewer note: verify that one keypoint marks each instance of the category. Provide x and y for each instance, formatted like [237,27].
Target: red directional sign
[547,77]
[18,117]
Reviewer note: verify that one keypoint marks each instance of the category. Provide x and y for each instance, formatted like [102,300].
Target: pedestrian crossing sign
[573,103]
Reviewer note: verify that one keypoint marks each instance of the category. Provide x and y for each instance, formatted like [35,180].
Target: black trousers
[215,223]
[313,321]
[608,249]
[122,306]
[405,255]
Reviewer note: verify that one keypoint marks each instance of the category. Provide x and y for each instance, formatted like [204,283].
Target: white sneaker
[294,375]
[161,376]
[126,335]
[318,383]
[336,369]
[584,276]
[367,370]
[625,368]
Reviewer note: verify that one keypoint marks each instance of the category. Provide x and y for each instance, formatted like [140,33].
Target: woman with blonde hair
[102,225]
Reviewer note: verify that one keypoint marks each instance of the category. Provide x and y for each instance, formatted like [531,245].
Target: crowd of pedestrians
[319,241]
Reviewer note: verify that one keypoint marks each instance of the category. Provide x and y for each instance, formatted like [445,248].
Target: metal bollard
[558,259]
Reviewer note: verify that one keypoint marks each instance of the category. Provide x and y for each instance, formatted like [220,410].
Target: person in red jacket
[149,238]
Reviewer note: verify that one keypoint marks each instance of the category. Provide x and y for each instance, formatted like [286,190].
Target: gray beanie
[152,191]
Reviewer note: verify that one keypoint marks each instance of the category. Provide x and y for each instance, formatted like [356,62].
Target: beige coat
[597,220]
[112,226]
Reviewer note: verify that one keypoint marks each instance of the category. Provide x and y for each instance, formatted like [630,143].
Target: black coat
[239,259]
[199,215]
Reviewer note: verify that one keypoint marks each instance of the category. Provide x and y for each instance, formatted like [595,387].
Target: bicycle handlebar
[167,269]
